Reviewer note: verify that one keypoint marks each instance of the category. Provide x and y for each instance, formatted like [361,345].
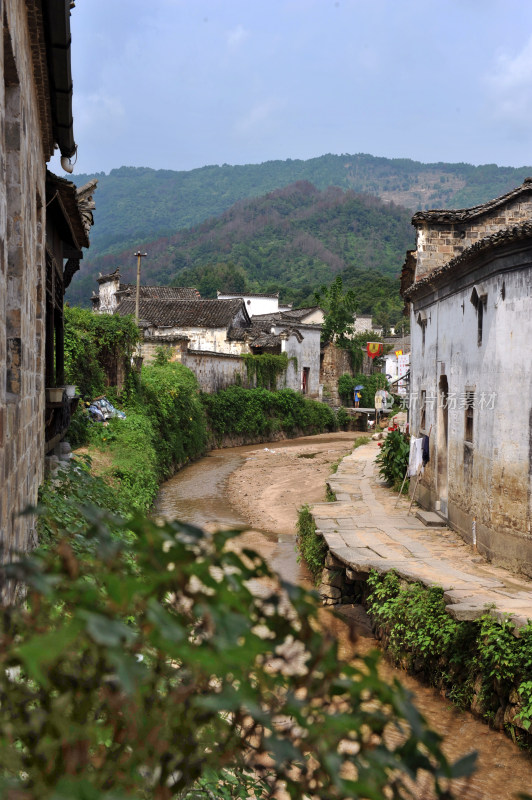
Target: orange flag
[374,349]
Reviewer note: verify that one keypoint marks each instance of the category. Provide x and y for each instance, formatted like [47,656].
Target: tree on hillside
[340,307]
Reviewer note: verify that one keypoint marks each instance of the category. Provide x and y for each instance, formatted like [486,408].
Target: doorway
[442,443]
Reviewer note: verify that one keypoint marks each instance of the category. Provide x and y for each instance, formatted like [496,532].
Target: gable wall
[438,243]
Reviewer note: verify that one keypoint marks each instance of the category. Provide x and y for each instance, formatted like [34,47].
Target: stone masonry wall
[438,243]
[22,286]
[335,362]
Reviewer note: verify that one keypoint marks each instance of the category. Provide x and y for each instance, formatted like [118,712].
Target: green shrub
[136,464]
[79,429]
[342,419]
[418,630]
[64,497]
[93,341]
[259,412]
[393,458]
[170,400]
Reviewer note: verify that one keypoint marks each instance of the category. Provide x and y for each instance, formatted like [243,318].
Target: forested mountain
[276,225]
[136,205]
[291,240]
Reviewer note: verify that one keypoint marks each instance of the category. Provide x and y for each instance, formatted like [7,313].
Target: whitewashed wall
[489,480]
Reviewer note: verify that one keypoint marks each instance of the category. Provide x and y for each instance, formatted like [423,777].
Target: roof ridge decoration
[86,204]
[465,214]
[497,239]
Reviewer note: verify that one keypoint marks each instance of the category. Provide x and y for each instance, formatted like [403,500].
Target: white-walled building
[256,304]
[469,286]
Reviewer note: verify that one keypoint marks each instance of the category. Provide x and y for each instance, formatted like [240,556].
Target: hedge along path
[363,531]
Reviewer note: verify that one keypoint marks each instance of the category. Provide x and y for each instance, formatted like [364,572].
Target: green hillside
[136,205]
[201,226]
[291,240]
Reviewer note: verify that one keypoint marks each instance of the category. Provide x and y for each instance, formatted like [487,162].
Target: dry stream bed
[260,489]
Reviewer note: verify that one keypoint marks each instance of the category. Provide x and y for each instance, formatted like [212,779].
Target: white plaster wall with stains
[488,479]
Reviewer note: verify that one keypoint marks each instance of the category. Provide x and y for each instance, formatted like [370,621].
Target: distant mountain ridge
[291,240]
[138,204]
[275,239]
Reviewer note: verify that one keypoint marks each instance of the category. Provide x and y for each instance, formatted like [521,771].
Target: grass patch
[311,547]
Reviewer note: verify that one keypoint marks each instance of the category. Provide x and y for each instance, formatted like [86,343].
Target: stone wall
[22,280]
[440,241]
[215,371]
[334,362]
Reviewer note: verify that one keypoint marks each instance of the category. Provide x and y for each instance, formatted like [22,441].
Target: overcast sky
[179,84]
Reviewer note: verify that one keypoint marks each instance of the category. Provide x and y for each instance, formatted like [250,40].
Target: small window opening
[469,414]
[478,299]
[423,410]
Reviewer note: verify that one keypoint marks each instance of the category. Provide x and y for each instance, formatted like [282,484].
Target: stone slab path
[365,530]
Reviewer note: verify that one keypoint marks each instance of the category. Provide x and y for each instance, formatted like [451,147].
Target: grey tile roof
[186,313]
[299,313]
[466,214]
[159,292]
[269,340]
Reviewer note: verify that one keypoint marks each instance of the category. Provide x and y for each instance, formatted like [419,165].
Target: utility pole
[137,299]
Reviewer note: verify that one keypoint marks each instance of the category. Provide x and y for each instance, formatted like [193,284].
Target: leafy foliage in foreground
[143,665]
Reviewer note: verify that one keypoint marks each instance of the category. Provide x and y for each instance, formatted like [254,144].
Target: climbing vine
[94,342]
[263,370]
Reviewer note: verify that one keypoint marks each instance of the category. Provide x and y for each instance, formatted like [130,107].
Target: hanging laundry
[415,459]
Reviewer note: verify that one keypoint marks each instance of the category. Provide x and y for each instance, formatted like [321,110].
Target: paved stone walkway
[365,530]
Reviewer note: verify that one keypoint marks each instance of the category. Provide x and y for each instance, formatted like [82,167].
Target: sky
[180,84]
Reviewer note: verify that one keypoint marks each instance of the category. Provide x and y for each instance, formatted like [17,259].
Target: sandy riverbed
[275,481]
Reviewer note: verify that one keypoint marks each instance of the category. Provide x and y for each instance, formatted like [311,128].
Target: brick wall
[439,242]
[334,363]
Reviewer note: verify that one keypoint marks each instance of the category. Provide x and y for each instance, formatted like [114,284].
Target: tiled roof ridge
[464,214]
[236,295]
[497,239]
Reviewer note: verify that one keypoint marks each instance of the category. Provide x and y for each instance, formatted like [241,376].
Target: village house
[256,303]
[468,285]
[44,225]
[211,337]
